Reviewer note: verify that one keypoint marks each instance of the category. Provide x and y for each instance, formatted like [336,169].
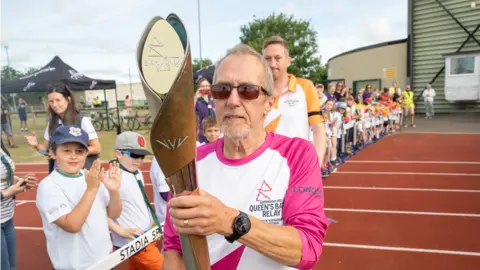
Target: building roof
[388,43]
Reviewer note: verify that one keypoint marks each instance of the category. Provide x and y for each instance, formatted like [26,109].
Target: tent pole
[119,129]
[106,108]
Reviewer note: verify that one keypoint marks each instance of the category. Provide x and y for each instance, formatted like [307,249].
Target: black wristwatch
[241,226]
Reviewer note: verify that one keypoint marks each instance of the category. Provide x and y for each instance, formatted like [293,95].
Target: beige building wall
[372,62]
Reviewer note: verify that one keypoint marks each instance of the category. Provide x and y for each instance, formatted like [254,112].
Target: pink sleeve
[303,203]
[171,239]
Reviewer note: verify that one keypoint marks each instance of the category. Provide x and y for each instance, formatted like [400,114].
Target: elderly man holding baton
[250,200]
[260,202]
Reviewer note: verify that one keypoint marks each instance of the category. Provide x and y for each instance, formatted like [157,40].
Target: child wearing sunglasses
[137,215]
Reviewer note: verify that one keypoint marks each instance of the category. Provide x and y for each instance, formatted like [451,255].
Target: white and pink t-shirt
[280,183]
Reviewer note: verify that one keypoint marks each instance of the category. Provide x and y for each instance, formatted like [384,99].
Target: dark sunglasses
[245,91]
[132,155]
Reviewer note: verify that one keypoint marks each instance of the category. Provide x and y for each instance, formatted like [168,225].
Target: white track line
[29,228]
[406,189]
[22,172]
[410,173]
[363,211]
[420,250]
[45,164]
[328,244]
[402,212]
[441,133]
[24,201]
[412,162]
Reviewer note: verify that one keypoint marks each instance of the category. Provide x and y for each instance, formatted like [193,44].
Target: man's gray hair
[242,49]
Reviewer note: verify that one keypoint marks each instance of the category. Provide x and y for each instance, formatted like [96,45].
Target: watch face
[242,224]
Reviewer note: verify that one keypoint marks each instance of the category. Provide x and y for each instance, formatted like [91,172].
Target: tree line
[301,37]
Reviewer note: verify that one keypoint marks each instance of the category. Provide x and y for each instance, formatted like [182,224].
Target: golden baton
[165,68]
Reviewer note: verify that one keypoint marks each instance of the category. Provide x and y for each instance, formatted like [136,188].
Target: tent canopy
[56,71]
[205,72]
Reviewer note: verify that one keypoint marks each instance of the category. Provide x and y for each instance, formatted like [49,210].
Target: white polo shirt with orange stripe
[297,107]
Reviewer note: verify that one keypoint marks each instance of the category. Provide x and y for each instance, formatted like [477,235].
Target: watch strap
[236,234]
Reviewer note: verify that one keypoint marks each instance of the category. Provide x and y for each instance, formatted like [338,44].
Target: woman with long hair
[63,111]
[340,91]
[10,186]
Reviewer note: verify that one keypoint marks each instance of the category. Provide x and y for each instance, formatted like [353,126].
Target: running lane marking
[413,162]
[410,173]
[402,212]
[406,189]
[420,250]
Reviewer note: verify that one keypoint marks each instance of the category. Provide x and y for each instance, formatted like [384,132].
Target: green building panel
[433,32]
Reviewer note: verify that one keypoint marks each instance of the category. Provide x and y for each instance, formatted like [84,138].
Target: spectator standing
[204,106]
[6,127]
[22,114]
[428,97]
[11,185]
[63,111]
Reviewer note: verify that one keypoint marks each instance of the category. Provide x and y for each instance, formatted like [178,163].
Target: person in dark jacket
[204,106]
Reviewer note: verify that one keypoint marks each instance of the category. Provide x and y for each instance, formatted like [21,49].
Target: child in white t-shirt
[75,204]
[137,216]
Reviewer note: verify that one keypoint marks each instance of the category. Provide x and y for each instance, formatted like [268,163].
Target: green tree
[196,63]
[301,38]
[9,73]
[320,73]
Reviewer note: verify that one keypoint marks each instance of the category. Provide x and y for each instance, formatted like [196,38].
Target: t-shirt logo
[75,131]
[290,100]
[264,188]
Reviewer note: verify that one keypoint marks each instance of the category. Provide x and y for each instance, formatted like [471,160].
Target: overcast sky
[99,38]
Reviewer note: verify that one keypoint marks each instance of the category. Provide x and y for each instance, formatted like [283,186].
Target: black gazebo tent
[56,71]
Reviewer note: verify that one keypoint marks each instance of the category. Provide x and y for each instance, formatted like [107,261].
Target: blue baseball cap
[68,134]
[342,105]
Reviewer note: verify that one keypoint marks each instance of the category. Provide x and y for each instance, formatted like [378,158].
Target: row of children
[87,214]
[357,123]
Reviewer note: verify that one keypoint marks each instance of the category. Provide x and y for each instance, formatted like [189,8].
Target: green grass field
[26,153]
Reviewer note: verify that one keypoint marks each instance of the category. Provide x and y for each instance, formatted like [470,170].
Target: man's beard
[236,135]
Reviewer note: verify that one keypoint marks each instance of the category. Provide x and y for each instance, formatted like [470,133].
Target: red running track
[380,221]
